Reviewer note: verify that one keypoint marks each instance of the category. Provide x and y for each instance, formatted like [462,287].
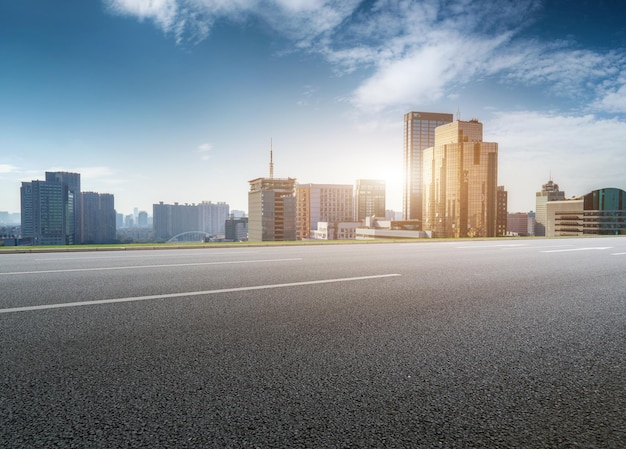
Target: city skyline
[160,101]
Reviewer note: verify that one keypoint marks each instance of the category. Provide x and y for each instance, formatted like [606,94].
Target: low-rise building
[344,230]
[600,212]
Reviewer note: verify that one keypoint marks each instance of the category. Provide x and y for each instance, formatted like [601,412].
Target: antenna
[458,113]
[271,161]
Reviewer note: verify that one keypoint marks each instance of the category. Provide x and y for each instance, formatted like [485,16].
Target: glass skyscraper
[419,134]
[460,179]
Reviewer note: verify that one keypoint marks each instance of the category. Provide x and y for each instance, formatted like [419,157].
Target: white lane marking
[134,267]
[618,254]
[492,246]
[577,249]
[179,295]
[103,257]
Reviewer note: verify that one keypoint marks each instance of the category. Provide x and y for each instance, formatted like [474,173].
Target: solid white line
[71,270]
[179,295]
[130,256]
[577,249]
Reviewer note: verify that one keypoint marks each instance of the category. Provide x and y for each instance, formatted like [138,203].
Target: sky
[180,100]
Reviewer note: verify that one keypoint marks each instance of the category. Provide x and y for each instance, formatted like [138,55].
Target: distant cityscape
[450,191]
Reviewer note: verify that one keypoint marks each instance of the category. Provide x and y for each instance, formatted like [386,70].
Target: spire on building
[271,161]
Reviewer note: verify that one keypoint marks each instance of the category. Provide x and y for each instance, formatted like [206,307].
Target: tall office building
[72,183]
[332,203]
[502,211]
[369,198]
[549,192]
[98,218]
[419,134]
[170,220]
[272,208]
[460,182]
[213,217]
[50,209]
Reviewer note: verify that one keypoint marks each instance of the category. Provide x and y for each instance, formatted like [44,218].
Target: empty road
[452,344]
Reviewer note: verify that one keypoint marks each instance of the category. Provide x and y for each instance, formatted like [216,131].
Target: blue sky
[177,100]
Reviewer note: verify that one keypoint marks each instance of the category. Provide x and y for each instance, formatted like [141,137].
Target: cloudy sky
[177,100]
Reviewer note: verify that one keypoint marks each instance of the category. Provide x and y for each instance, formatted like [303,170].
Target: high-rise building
[419,134]
[72,183]
[549,192]
[332,203]
[502,211]
[50,209]
[272,208]
[98,221]
[369,198]
[170,220]
[213,217]
[460,182]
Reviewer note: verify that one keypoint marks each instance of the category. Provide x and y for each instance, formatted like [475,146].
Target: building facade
[331,203]
[549,192]
[369,198]
[272,209]
[460,182]
[213,217]
[419,134]
[236,229]
[50,210]
[335,230]
[98,218]
[600,212]
[171,220]
[502,212]
[521,223]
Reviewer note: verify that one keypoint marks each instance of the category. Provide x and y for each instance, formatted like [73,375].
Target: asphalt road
[468,344]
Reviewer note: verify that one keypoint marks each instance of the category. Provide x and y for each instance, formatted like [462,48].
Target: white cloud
[613,101]
[424,75]
[204,151]
[163,12]
[424,51]
[302,20]
[582,153]
[7,168]
[416,52]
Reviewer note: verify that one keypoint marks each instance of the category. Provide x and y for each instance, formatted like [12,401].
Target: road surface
[456,344]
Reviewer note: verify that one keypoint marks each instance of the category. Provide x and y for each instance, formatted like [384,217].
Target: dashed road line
[601,248]
[188,294]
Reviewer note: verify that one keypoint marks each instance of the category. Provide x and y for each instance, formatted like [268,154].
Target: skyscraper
[369,198]
[502,211]
[272,208]
[50,209]
[98,218]
[460,182]
[72,183]
[213,217]
[419,134]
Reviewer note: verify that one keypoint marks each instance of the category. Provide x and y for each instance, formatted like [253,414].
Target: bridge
[189,236]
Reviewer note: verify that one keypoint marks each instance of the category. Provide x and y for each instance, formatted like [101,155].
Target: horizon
[178,102]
